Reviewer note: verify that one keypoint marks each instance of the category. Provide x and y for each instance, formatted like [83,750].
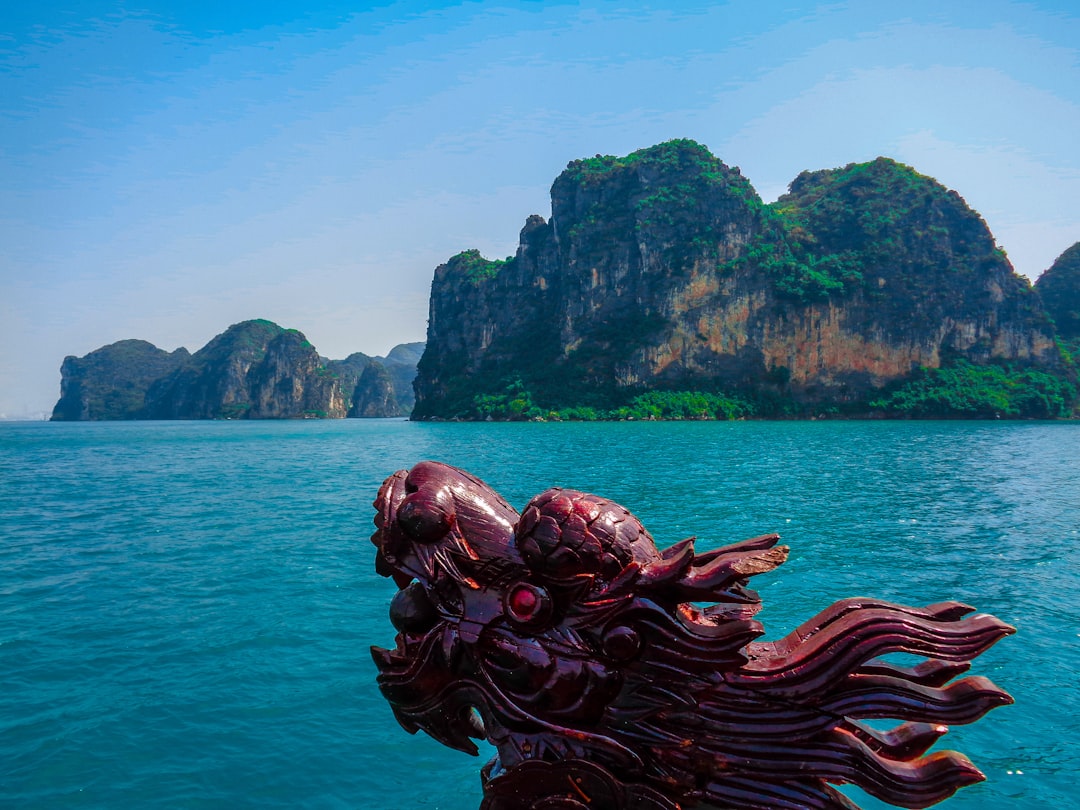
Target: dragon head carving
[609,674]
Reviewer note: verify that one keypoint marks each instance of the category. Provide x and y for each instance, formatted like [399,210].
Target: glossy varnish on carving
[609,674]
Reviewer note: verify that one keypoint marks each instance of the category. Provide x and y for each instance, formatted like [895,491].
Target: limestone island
[662,287]
[253,370]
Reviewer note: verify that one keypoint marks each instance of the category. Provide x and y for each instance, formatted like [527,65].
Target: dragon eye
[527,605]
[423,518]
[411,610]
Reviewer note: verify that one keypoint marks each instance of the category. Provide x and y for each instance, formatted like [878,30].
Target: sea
[186,608]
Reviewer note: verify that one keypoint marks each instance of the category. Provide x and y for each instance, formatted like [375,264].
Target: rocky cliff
[400,363]
[379,386]
[1059,288]
[374,394]
[663,270]
[253,370]
[111,382]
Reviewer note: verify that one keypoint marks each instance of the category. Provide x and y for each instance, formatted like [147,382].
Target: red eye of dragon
[527,604]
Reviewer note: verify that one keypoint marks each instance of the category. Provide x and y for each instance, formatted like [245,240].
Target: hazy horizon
[171,169]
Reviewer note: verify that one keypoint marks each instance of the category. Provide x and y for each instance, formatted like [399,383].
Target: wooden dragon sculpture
[586,657]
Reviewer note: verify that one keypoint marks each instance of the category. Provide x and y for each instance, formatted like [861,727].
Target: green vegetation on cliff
[474,267]
[676,195]
[678,154]
[965,390]
[961,390]
[515,403]
[839,229]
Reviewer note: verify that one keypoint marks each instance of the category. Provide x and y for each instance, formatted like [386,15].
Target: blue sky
[171,168]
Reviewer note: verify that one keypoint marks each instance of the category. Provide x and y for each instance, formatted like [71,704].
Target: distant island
[664,287]
[253,370]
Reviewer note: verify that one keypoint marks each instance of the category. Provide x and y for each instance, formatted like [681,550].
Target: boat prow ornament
[585,656]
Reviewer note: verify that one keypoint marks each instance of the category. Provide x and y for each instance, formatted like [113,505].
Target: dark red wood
[584,654]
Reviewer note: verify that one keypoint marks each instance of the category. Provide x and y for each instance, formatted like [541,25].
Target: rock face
[379,386]
[374,394]
[253,370]
[1059,288]
[349,372]
[664,270]
[111,382]
[400,363]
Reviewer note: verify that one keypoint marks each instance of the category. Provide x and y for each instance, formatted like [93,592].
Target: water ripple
[185,608]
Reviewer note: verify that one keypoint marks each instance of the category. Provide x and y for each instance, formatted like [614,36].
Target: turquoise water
[186,607]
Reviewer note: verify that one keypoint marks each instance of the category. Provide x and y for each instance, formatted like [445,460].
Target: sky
[171,167]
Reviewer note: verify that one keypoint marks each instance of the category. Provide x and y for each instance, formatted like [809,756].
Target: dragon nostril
[622,643]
